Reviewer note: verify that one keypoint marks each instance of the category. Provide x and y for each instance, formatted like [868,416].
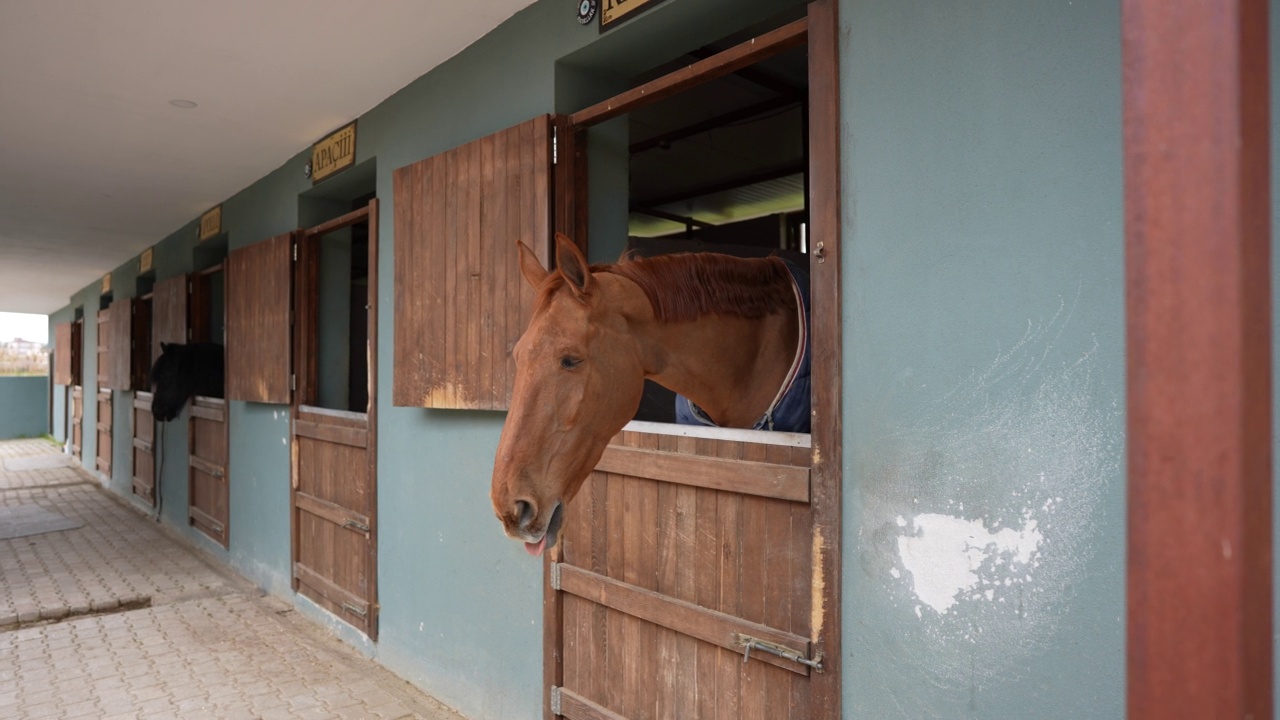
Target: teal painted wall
[984,360]
[24,406]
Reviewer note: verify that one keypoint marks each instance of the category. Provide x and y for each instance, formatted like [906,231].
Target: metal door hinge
[354,610]
[749,643]
[555,145]
[555,700]
[555,576]
[356,525]
[295,252]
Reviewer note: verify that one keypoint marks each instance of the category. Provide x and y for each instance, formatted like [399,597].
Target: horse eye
[569,363]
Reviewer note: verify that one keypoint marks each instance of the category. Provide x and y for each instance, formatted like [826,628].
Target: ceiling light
[184,104]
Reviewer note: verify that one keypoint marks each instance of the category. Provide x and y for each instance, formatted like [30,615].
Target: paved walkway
[118,619]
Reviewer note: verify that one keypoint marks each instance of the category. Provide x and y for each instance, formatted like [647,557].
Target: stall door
[699,571]
[104,432]
[144,459]
[335,465]
[144,425]
[208,500]
[104,393]
[77,422]
[207,508]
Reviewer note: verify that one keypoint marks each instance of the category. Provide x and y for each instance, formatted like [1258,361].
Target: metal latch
[749,643]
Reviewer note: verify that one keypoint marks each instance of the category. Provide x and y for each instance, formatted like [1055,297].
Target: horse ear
[573,265]
[532,270]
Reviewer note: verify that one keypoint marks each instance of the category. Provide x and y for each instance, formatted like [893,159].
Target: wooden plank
[1198,341]
[371,492]
[332,512]
[577,707]
[207,520]
[216,414]
[354,437]
[826,324]
[330,591]
[783,482]
[205,466]
[747,53]
[342,221]
[682,616]
[258,305]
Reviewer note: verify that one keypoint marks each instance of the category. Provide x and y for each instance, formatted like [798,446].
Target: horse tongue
[535,549]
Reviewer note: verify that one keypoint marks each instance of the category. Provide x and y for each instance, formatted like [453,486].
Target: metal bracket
[555,576]
[356,525]
[749,643]
[555,700]
[355,610]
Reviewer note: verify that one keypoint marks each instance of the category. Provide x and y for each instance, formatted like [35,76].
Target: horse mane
[686,286]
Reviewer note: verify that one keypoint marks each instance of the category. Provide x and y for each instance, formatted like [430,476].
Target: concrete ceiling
[96,164]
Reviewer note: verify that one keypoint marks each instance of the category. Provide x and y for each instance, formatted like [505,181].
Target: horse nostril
[525,511]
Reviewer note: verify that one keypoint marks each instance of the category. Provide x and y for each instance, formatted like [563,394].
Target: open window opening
[334,290]
[723,168]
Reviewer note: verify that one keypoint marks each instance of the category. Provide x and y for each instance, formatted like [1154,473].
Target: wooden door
[334,489]
[77,422]
[143,422]
[208,486]
[75,413]
[103,397]
[698,573]
[208,496]
[144,461]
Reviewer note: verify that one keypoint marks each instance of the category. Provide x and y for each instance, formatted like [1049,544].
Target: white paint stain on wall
[950,557]
[984,512]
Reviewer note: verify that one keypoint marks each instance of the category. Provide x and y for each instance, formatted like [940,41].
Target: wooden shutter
[104,346]
[258,333]
[168,313]
[119,345]
[460,300]
[62,354]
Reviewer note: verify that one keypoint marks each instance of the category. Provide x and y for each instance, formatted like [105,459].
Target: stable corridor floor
[105,615]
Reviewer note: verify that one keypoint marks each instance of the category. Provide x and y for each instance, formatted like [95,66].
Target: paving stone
[207,646]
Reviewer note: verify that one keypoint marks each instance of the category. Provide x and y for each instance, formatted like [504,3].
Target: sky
[25,326]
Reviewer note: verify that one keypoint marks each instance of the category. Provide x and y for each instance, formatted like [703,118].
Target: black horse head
[182,371]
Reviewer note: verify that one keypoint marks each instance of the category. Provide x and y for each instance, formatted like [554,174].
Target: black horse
[182,371]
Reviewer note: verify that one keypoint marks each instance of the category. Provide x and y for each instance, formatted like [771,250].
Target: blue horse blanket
[791,412]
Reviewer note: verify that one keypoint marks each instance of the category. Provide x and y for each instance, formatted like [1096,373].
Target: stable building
[975,525]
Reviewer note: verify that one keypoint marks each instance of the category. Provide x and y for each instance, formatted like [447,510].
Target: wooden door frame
[820,30]
[199,299]
[1198,338]
[305,367]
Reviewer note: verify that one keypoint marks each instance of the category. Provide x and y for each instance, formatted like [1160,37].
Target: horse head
[182,371]
[579,379]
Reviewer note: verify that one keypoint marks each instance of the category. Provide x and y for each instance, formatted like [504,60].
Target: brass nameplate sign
[106,284]
[211,223]
[613,12]
[144,262]
[334,153]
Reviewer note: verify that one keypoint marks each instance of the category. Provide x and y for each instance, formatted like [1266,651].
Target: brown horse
[724,332]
